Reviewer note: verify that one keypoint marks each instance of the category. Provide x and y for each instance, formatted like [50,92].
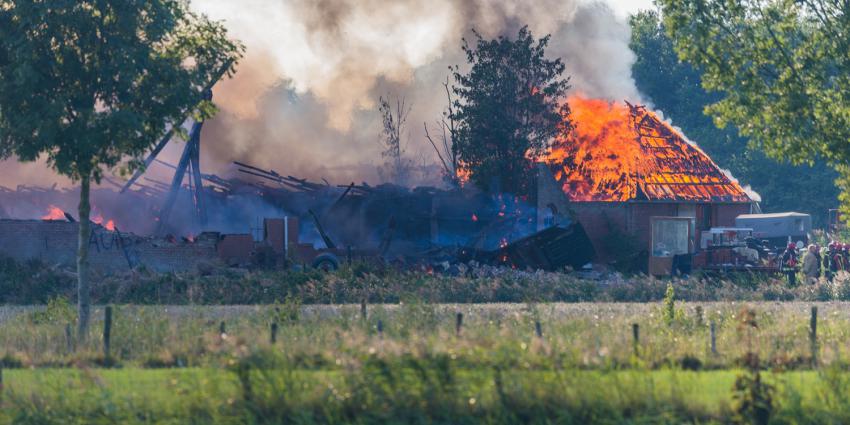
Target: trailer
[778,228]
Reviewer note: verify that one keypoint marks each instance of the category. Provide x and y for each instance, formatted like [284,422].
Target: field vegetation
[378,345]
[36,283]
[414,361]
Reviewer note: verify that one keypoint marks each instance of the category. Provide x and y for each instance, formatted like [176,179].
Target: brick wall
[632,218]
[55,242]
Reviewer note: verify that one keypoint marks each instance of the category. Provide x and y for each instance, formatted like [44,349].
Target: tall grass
[583,335]
[35,283]
[171,364]
[405,390]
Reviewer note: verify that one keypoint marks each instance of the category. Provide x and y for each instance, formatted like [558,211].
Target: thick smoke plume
[304,99]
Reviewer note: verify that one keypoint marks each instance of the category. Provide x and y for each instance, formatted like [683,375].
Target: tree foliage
[507,107]
[92,84]
[674,87]
[782,67]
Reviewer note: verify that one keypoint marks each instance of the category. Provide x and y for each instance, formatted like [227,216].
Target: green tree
[782,68]
[674,87]
[92,84]
[508,108]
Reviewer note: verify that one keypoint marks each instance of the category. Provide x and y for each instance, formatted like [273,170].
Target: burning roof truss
[625,152]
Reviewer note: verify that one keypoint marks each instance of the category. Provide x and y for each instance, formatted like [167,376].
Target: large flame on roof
[620,152]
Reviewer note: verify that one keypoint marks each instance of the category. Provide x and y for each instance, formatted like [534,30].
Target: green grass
[171,364]
[569,396]
[596,336]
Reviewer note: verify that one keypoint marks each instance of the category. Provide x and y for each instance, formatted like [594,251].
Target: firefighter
[827,255]
[819,258]
[789,264]
[837,259]
[811,265]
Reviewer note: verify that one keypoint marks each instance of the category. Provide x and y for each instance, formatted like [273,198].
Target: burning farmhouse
[622,175]
[637,185]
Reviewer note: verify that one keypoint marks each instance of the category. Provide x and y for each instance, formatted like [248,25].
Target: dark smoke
[303,101]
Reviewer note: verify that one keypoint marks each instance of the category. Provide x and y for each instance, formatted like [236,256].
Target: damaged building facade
[622,187]
[633,181]
[54,242]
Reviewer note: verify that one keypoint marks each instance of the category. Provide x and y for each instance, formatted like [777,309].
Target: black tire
[327,262]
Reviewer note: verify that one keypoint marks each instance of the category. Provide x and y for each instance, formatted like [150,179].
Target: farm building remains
[624,186]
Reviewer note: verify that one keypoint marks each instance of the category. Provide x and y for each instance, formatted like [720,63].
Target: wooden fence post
[458,323]
[363,313]
[636,337]
[813,335]
[107,331]
[273,336]
[713,339]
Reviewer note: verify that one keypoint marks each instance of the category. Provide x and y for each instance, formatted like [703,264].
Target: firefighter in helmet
[828,263]
[837,259]
[789,264]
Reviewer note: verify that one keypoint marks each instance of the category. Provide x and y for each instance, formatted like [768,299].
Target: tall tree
[508,108]
[674,86]
[92,84]
[782,67]
[394,120]
[444,146]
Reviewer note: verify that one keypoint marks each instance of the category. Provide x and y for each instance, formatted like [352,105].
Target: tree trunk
[83,295]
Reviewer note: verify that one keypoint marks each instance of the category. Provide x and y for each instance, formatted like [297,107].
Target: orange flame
[619,152]
[599,157]
[54,213]
[462,173]
[108,224]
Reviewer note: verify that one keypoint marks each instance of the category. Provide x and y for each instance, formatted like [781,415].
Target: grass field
[589,335]
[404,396]
[408,363]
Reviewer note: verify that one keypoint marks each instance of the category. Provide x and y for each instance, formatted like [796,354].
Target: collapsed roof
[622,152]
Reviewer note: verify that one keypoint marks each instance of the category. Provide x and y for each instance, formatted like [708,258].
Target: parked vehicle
[778,228]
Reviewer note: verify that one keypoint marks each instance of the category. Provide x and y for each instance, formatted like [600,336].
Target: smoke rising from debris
[304,98]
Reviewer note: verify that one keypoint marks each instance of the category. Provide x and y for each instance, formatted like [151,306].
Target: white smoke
[303,99]
[747,188]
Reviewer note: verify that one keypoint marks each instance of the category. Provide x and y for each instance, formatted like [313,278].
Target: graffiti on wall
[105,241]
